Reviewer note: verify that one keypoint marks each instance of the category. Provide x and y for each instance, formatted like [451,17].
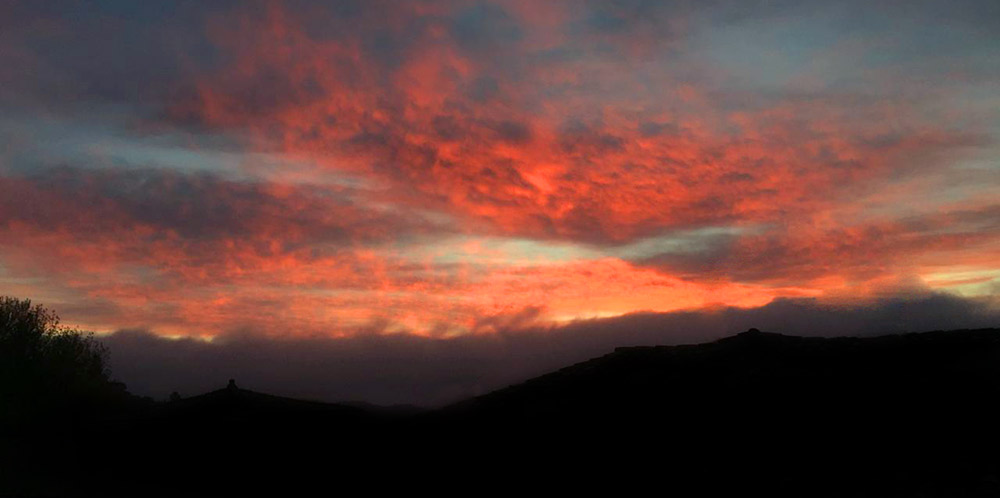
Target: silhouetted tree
[45,368]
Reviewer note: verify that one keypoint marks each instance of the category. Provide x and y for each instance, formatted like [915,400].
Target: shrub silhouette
[47,369]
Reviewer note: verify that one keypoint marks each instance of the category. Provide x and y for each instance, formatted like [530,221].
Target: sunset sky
[455,168]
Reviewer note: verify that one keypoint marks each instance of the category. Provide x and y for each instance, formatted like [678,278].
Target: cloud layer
[447,168]
[405,369]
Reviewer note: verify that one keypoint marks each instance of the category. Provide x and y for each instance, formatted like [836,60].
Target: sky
[431,173]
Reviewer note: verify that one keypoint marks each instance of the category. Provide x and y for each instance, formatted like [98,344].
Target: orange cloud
[640,178]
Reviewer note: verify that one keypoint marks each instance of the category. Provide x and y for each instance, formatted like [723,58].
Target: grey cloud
[485,27]
[116,52]
[196,206]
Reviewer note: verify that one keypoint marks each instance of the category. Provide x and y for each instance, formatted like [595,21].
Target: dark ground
[905,415]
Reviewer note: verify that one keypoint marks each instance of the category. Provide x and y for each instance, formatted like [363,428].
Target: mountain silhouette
[755,372]
[242,404]
[913,413]
[901,415]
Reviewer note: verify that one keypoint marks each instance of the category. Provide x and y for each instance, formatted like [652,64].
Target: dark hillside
[754,372]
[906,415]
[915,412]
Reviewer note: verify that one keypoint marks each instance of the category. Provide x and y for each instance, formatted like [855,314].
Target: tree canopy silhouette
[47,369]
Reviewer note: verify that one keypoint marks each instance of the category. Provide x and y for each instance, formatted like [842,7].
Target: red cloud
[545,156]
[519,122]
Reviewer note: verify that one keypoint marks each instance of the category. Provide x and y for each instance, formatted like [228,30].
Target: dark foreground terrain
[904,415]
